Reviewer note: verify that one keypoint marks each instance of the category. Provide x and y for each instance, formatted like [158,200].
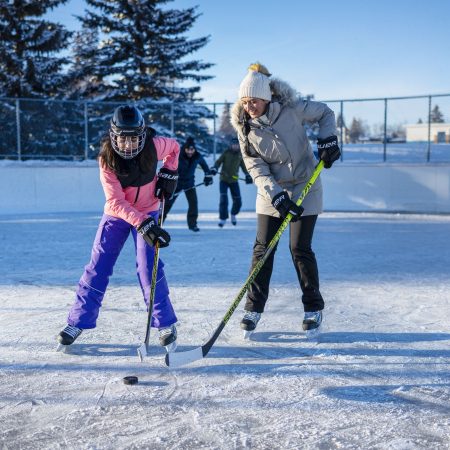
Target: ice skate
[67,337]
[168,337]
[221,223]
[249,322]
[233,220]
[312,322]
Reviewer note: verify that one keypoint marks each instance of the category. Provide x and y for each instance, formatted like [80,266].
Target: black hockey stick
[187,189]
[143,348]
[181,358]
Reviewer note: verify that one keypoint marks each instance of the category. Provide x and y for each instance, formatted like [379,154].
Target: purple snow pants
[109,240]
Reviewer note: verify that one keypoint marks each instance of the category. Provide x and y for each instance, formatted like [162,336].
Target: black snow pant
[304,259]
[235,196]
[192,213]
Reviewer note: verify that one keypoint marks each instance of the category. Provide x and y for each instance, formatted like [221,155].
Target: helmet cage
[127,123]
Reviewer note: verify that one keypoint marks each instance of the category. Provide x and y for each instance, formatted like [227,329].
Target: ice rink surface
[378,378]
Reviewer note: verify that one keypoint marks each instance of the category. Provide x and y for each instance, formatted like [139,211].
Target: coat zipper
[137,195]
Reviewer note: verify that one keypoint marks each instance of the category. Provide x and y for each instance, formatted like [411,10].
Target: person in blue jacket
[187,163]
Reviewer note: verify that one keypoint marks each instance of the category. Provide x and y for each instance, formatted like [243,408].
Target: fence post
[429,130]
[214,131]
[86,131]
[172,119]
[342,130]
[18,133]
[385,130]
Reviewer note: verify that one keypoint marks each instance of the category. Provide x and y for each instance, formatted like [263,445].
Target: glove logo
[278,200]
[167,176]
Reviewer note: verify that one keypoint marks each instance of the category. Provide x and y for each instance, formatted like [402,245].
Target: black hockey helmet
[127,131]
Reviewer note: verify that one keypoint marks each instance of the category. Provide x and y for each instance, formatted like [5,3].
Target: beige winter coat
[281,155]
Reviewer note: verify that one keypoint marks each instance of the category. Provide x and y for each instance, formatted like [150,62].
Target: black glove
[166,184]
[153,233]
[285,205]
[213,170]
[208,180]
[328,150]
[248,179]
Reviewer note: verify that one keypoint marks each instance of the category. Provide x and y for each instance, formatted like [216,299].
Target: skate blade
[61,348]
[171,347]
[248,334]
[313,334]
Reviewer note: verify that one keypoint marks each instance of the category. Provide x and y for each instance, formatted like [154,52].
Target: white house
[439,132]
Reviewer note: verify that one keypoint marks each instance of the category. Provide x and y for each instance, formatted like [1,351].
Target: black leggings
[304,259]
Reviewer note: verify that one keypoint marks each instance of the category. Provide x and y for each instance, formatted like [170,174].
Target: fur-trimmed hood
[282,93]
[276,150]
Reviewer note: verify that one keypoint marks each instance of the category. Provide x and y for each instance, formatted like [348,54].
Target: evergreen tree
[357,130]
[340,121]
[29,66]
[226,130]
[436,115]
[142,57]
[143,53]
[82,83]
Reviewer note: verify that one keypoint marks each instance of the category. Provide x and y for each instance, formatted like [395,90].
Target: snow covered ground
[378,378]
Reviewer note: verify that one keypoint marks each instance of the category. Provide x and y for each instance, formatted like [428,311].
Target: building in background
[439,132]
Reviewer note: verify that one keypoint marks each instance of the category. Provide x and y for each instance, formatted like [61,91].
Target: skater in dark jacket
[189,159]
[269,118]
[128,163]
[230,161]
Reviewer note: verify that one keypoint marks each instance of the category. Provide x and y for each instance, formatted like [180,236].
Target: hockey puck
[130,380]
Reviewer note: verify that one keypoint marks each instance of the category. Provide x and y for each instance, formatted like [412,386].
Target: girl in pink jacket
[128,162]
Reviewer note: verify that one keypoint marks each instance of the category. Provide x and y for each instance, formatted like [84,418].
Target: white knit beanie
[256,83]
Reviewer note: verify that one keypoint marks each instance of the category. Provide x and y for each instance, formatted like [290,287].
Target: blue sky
[332,49]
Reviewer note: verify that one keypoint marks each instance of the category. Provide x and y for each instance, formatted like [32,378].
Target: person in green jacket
[230,160]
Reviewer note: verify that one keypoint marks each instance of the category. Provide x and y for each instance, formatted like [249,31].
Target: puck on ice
[130,380]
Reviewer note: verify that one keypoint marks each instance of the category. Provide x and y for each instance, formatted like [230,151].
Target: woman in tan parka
[269,119]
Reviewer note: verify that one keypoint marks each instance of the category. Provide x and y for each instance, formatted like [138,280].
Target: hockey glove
[328,150]
[213,170]
[248,179]
[166,184]
[208,180]
[284,205]
[153,234]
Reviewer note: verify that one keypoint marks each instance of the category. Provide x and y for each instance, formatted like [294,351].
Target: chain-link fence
[396,129]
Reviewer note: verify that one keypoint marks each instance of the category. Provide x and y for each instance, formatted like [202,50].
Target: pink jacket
[120,202]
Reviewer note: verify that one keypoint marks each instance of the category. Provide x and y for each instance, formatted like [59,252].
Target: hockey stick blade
[178,359]
[142,352]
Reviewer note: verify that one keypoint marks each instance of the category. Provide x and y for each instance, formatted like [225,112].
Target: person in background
[230,160]
[128,163]
[187,164]
[269,118]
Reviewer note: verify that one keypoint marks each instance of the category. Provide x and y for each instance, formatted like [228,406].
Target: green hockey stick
[178,359]
[143,348]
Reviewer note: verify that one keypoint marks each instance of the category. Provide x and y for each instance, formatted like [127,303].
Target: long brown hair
[109,159]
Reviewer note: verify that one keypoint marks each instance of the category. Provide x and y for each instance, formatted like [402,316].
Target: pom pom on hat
[256,83]
[258,67]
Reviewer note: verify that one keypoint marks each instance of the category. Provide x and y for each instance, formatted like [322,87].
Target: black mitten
[153,233]
[328,150]
[248,179]
[166,184]
[284,205]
